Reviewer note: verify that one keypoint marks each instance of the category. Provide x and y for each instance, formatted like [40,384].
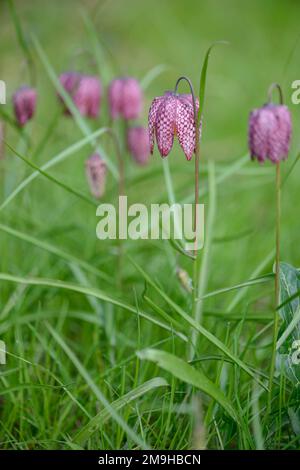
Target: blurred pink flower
[170,115]
[87,96]
[85,90]
[270,130]
[138,144]
[24,101]
[125,98]
[96,170]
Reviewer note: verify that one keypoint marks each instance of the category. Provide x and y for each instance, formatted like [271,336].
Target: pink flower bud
[88,95]
[96,170]
[125,98]
[24,101]
[170,115]
[270,130]
[138,144]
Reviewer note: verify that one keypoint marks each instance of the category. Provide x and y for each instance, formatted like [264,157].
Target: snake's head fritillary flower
[85,91]
[138,144]
[125,98]
[96,171]
[24,101]
[270,130]
[87,96]
[69,81]
[169,115]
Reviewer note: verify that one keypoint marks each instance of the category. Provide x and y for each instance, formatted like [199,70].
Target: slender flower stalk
[196,151]
[277,260]
[270,130]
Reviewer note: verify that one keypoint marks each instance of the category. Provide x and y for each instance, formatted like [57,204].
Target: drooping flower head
[270,129]
[69,80]
[85,90]
[125,98]
[96,171]
[87,96]
[138,144]
[24,101]
[169,115]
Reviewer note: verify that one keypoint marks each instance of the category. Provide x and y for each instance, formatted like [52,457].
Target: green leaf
[288,343]
[203,77]
[103,416]
[188,374]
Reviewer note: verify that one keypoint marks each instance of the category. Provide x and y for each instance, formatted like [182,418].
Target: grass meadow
[98,333]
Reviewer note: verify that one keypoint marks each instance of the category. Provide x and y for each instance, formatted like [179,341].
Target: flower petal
[152,119]
[185,126]
[165,124]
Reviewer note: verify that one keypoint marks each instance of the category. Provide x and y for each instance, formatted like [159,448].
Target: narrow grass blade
[257,427]
[21,39]
[188,374]
[54,250]
[101,418]
[152,75]
[203,77]
[241,293]
[51,178]
[69,151]
[290,170]
[251,282]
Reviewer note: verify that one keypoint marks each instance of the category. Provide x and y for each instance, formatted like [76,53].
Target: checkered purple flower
[125,98]
[85,90]
[270,129]
[24,102]
[88,96]
[138,144]
[169,115]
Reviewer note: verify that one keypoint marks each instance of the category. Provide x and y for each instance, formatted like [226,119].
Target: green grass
[103,358]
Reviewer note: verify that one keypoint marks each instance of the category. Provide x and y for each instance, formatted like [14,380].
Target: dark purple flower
[138,144]
[24,101]
[125,98]
[270,130]
[70,81]
[169,115]
[96,170]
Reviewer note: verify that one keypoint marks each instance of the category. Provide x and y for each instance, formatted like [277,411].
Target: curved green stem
[270,92]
